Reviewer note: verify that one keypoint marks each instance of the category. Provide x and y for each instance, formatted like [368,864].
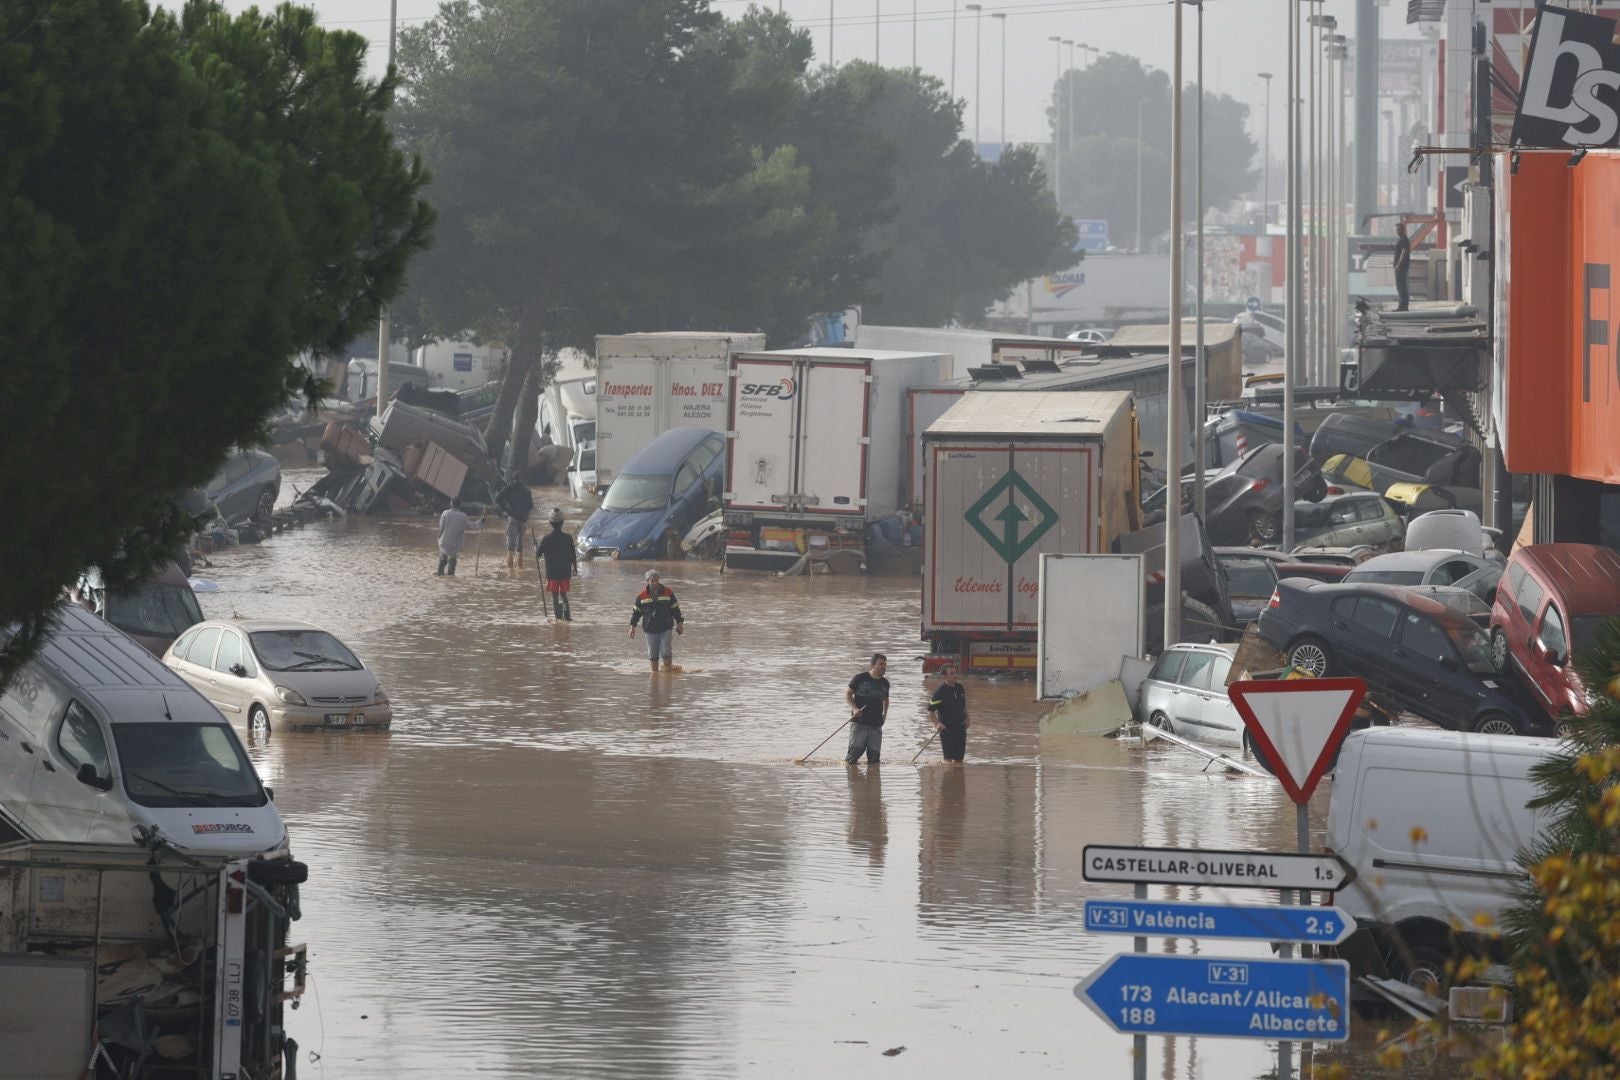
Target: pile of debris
[414,459]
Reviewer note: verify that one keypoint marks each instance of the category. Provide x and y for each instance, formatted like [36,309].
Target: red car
[1549,604]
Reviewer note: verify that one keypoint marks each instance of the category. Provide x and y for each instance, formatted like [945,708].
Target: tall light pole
[1068,78]
[1341,258]
[1057,126]
[1326,24]
[877,32]
[1265,198]
[832,25]
[913,33]
[383,328]
[1175,404]
[1200,376]
[953,53]
[1001,17]
[1296,296]
[1139,105]
[978,39]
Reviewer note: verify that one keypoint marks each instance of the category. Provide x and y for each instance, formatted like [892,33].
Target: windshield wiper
[309,665]
[190,797]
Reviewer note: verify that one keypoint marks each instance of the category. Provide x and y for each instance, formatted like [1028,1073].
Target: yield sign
[1298,724]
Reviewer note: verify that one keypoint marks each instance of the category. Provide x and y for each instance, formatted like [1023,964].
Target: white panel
[1091,618]
[926,406]
[1055,513]
[696,393]
[626,411]
[759,466]
[834,424]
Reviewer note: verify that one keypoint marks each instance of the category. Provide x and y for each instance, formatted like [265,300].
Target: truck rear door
[833,429]
[762,434]
[696,393]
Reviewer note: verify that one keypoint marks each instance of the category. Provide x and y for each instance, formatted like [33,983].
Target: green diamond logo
[1000,529]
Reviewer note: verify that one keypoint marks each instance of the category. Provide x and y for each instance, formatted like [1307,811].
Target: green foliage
[187,202]
[1100,142]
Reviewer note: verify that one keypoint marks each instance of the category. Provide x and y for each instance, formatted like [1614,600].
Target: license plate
[344,718]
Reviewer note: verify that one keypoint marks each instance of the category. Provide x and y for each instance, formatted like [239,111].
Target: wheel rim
[1499,650]
[259,723]
[1159,720]
[1309,657]
[267,506]
[1264,527]
[1496,725]
[1563,729]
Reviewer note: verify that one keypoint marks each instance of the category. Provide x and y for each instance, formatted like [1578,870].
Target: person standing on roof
[868,699]
[658,612]
[1403,265]
[453,526]
[516,504]
[948,707]
[556,551]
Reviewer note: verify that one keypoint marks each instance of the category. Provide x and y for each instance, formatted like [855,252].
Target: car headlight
[380,697]
[290,697]
[639,545]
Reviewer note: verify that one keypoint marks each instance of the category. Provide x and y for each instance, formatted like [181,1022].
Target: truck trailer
[816,450]
[649,383]
[1011,477]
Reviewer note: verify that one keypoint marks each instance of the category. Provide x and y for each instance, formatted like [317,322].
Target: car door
[1548,642]
[1160,686]
[1187,698]
[1429,676]
[1217,721]
[688,494]
[228,673]
[197,666]
[1364,629]
[1343,529]
[61,806]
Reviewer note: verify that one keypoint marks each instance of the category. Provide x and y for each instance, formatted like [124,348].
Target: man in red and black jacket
[657,610]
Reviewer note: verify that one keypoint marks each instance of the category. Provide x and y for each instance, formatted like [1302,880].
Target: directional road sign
[1202,866]
[1297,725]
[1251,922]
[1222,997]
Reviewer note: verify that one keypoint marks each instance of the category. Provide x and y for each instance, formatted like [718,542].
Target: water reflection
[559,864]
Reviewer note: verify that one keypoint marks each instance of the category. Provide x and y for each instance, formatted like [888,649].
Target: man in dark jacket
[868,699]
[948,707]
[658,612]
[557,554]
[516,504]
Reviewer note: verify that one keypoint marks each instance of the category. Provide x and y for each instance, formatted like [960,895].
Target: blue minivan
[659,494]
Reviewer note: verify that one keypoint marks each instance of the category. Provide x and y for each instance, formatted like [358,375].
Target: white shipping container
[1011,477]
[649,383]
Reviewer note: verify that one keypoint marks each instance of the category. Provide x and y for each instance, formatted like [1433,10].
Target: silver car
[1348,520]
[1431,567]
[1185,694]
[270,675]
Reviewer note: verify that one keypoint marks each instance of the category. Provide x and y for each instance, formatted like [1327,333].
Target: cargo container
[968,348]
[1010,477]
[816,450]
[649,383]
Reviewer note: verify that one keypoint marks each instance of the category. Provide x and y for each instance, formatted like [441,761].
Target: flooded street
[560,864]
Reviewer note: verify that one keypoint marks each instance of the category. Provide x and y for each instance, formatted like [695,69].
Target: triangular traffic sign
[1298,724]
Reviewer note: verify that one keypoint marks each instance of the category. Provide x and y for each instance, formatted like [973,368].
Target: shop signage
[1571,88]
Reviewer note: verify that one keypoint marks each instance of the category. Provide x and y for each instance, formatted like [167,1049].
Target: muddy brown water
[559,864]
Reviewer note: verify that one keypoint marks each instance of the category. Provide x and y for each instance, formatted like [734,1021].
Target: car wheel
[1310,654]
[1563,727]
[1264,527]
[669,546]
[1497,723]
[1423,957]
[265,508]
[1162,722]
[1499,648]
[258,722]
[1254,752]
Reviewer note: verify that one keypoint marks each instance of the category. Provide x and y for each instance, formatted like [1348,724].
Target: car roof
[1588,576]
[254,626]
[1224,649]
[664,454]
[91,654]
[1416,601]
[1421,559]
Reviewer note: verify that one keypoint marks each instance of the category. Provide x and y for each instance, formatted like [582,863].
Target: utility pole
[1057,126]
[978,39]
[877,32]
[1068,77]
[1265,198]
[1175,405]
[953,53]
[913,33]
[1001,17]
[1139,105]
[832,23]
[1296,297]
[1200,373]
[383,327]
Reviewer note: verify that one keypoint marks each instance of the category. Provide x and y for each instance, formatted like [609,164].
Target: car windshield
[171,764]
[633,494]
[1384,577]
[1473,644]
[155,610]
[1312,515]
[1249,577]
[302,650]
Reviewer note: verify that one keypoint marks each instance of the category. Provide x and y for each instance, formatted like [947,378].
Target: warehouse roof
[1055,413]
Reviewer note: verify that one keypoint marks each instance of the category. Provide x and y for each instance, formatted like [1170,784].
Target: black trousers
[1402,293]
[953,742]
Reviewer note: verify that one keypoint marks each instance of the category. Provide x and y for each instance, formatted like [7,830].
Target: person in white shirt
[453,526]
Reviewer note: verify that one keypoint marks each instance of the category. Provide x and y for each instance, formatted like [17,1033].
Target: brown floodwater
[559,864]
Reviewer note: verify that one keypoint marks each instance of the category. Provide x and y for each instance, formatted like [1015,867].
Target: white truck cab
[1433,823]
[100,743]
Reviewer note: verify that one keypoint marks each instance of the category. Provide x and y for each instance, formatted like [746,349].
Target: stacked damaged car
[411,457]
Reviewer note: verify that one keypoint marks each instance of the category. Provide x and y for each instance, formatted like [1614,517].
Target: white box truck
[649,383]
[816,450]
[1011,477]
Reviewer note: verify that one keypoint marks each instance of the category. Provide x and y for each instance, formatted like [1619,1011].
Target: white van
[1433,823]
[99,741]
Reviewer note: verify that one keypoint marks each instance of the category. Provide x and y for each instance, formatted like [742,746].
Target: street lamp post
[1295,313]
[1001,17]
[877,32]
[953,53]
[832,25]
[1139,105]
[1057,125]
[1200,376]
[978,39]
[1068,78]
[1174,405]
[1265,197]
[384,330]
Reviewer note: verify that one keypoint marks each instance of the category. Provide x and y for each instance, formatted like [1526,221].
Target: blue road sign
[1231,997]
[1252,303]
[1092,235]
[1247,922]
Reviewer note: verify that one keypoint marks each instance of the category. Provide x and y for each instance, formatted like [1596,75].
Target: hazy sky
[1241,38]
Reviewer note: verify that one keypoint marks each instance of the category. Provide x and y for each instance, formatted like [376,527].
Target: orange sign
[1558,314]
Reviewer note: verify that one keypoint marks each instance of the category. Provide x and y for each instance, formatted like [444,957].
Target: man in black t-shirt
[1403,263]
[556,553]
[868,700]
[949,709]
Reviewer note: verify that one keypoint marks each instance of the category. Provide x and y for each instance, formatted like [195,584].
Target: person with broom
[556,552]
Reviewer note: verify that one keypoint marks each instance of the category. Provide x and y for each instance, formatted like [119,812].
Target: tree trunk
[525,357]
[528,408]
